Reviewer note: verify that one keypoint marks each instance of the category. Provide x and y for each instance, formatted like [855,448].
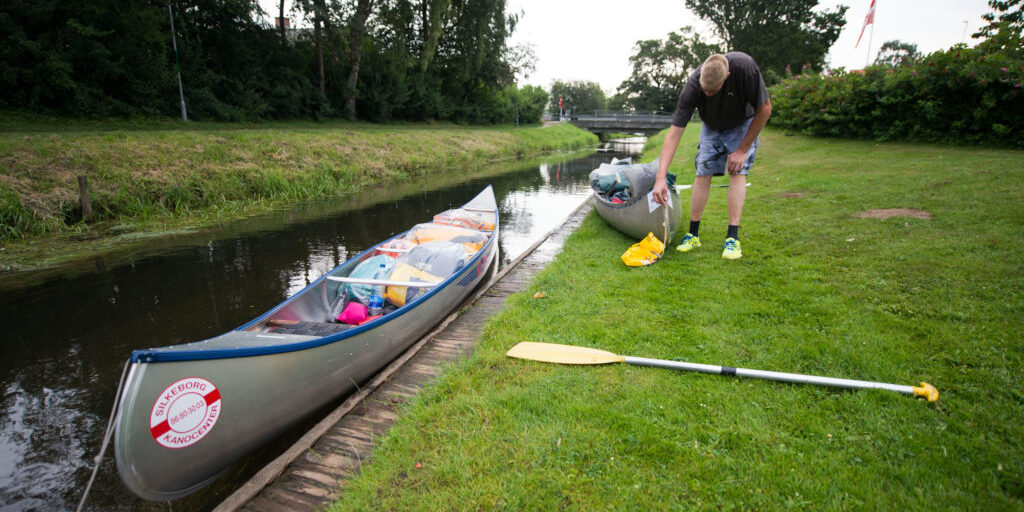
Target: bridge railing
[610,115]
[630,115]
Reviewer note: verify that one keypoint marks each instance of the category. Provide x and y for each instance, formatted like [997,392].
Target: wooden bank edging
[311,473]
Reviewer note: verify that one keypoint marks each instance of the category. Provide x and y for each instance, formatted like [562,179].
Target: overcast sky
[593,39]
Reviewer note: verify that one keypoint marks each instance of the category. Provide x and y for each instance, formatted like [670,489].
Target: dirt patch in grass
[792,194]
[886,213]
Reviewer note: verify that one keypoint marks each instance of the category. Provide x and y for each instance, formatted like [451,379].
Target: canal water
[65,340]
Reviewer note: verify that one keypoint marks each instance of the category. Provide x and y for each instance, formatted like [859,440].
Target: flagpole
[871,35]
[869,19]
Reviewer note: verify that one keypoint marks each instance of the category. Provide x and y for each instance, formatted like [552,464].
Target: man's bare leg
[699,197]
[737,195]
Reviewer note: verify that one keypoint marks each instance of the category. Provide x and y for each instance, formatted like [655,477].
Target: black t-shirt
[741,94]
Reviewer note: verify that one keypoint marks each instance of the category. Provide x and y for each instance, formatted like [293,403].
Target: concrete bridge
[604,121]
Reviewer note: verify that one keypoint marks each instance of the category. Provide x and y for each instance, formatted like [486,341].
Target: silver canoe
[187,412]
[635,217]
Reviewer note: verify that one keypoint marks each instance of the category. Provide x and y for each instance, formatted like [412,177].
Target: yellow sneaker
[731,249]
[688,243]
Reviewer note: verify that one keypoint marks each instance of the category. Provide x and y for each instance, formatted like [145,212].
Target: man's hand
[739,157]
[736,160]
[660,191]
[668,151]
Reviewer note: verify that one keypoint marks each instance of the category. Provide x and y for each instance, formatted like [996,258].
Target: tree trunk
[433,20]
[284,39]
[425,17]
[318,37]
[355,48]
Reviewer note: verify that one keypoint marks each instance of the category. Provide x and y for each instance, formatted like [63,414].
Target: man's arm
[738,157]
[668,151]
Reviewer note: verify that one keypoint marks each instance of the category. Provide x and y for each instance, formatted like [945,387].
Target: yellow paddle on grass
[569,354]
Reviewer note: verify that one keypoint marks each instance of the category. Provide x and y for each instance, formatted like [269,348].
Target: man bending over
[729,92]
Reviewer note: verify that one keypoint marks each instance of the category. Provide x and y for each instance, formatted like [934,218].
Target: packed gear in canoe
[423,233]
[462,218]
[429,263]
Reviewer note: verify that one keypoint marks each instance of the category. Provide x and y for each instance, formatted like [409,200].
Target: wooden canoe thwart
[187,412]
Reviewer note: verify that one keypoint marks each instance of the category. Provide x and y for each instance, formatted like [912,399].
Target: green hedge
[961,95]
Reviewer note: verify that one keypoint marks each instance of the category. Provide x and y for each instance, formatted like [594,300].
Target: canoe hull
[181,423]
[635,218]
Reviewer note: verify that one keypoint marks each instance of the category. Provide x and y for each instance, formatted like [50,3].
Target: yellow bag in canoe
[399,295]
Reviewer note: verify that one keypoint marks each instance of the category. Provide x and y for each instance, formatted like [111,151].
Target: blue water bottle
[376,305]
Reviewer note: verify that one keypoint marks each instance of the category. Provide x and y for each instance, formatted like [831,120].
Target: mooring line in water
[106,438]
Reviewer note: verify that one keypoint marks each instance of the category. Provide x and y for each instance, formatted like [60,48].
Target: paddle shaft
[722,185]
[765,375]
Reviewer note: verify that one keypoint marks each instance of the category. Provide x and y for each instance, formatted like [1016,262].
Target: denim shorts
[715,145]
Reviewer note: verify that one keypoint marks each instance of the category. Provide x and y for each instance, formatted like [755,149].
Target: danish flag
[869,19]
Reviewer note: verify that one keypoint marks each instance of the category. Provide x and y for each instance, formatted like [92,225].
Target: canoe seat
[305,328]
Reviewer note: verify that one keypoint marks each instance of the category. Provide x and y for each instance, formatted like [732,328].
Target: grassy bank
[154,178]
[820,290]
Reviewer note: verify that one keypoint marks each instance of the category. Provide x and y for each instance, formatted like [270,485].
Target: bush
[532,101]
[961,95]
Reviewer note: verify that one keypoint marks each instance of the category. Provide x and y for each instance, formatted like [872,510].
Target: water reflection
[66,340]
[630,145]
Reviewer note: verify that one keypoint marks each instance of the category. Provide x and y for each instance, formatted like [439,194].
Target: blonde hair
[713,72]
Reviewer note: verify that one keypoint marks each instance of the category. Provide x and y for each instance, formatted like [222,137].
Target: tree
[471,68]
[660,69]
[375,59]
[432,21]
[320,25]
[355,54]
[620,101]
[1005,14]
[777,33]
[579,94]
[281,24]
[522,58]
[896,53]
[85,58]
[527,104]
[224,53]
[1004,29]
[533,100]
[322,33]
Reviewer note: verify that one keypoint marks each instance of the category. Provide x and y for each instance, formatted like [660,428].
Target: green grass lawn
[819,291]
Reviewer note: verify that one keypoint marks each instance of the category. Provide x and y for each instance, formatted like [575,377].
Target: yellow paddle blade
[564,354]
